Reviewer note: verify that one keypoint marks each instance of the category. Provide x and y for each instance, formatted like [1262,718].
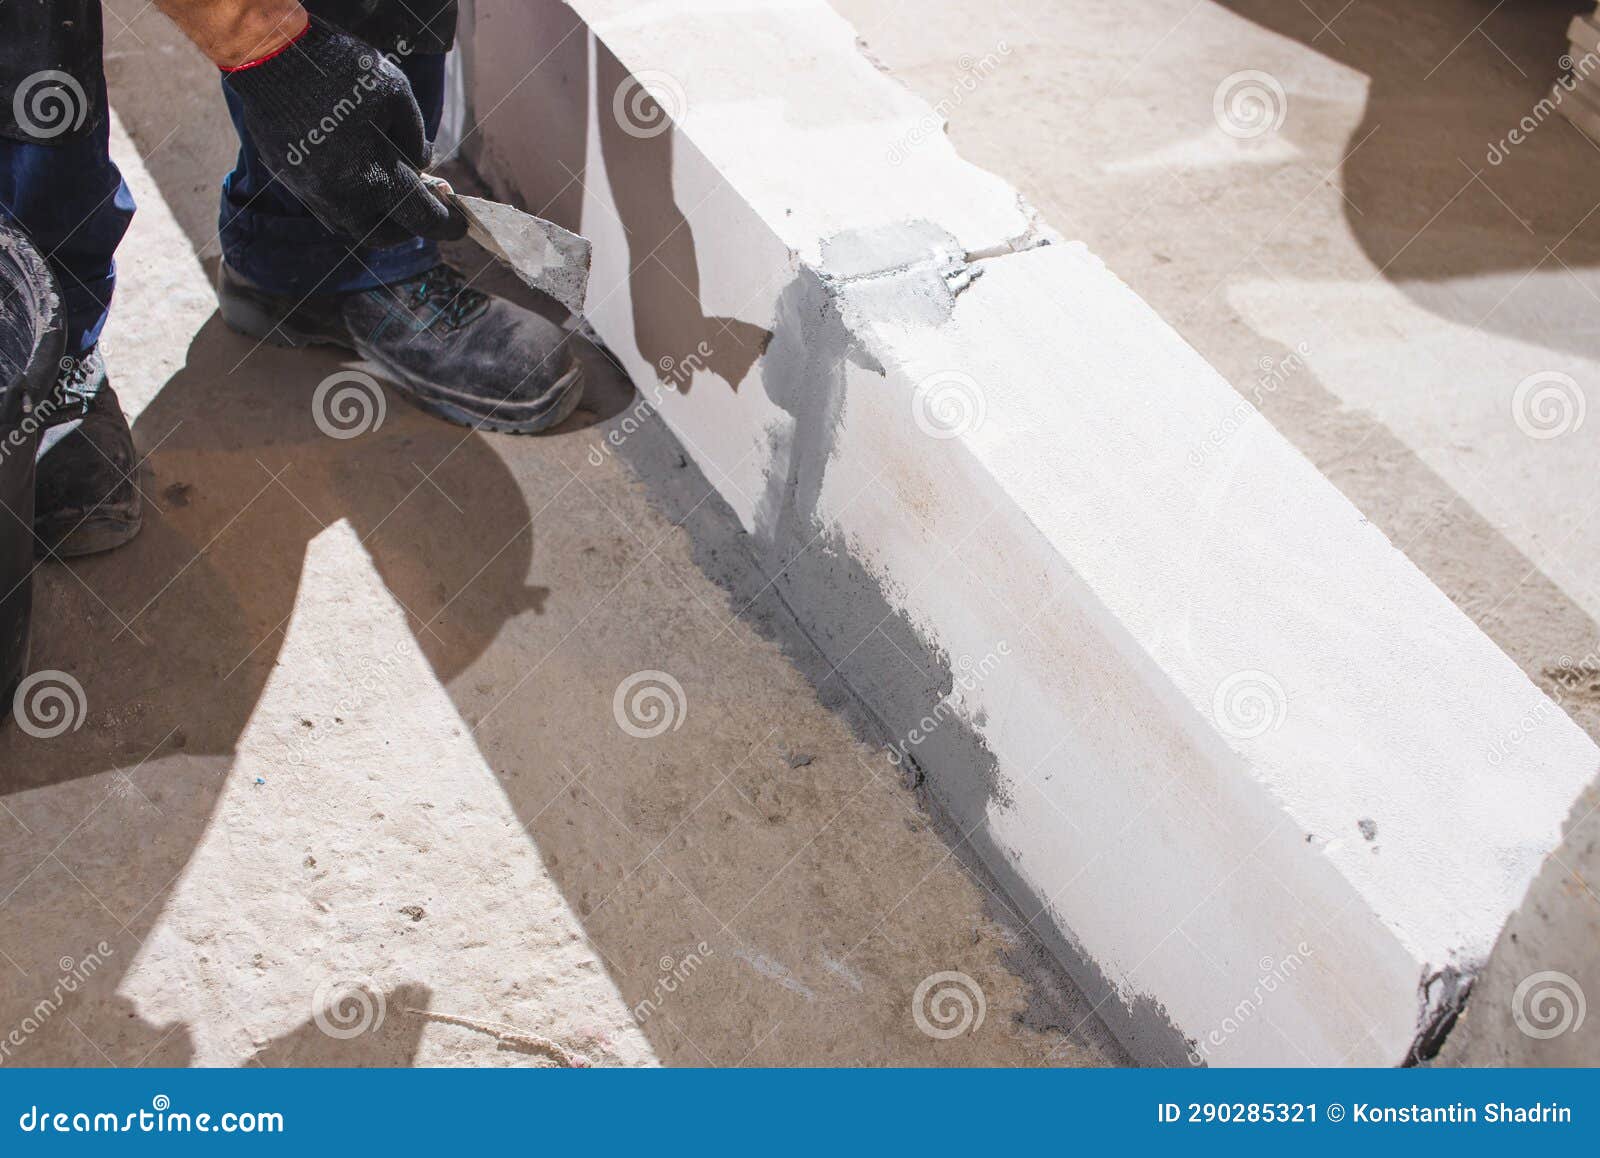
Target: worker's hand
[335,121]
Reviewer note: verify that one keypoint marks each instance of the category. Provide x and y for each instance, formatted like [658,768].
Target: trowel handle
[441,189]
[445,195]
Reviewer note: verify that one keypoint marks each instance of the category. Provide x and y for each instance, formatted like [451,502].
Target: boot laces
[74,391]
[444,290]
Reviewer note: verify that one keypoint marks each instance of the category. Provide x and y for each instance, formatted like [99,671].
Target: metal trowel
[547,257]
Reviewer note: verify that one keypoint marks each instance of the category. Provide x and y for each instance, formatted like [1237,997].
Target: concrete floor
[337,701]
[1366,275]
[351,787]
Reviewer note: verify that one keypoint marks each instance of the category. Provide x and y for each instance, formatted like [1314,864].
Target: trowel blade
[544,255]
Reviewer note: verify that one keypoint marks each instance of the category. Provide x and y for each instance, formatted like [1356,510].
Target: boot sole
[105,528]
[95,536]
[256,317]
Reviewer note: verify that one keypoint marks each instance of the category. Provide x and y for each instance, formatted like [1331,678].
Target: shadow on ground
[1432,121]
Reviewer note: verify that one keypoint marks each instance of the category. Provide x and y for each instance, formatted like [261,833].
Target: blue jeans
[74,204]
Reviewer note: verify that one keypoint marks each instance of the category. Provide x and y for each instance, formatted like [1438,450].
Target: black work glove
[335,121]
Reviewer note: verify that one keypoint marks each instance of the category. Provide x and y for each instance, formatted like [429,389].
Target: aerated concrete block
[1262,787]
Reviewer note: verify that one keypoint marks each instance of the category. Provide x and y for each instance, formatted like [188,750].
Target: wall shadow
[669,322]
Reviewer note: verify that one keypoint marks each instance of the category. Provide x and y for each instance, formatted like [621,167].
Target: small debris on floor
[510,1036]
[800,759]
[1369,829]
[415,912]
[177,495]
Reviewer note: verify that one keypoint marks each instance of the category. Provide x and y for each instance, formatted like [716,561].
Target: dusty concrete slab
[363,731]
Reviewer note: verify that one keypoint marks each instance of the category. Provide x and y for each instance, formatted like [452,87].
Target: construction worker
[328,234]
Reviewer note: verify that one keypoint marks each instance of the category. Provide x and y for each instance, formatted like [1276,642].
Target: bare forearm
[235,32]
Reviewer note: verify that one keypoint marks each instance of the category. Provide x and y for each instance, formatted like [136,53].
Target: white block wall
[1271,796]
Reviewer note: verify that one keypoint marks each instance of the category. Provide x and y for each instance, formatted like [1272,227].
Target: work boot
[466,356]
[86,498]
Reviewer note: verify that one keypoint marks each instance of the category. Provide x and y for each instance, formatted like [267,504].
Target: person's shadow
[178,634]
[182,629]
[1436,193]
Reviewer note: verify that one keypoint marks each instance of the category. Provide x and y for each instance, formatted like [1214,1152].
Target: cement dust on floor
[421,746]
[1320,196]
